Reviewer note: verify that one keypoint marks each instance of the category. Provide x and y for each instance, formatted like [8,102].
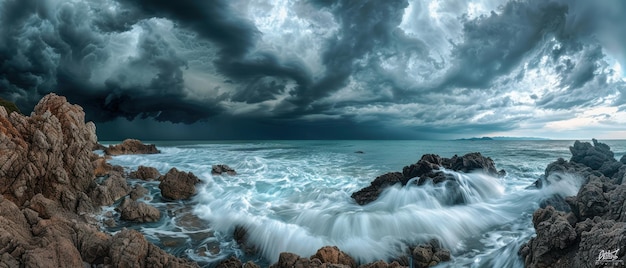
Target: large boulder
[48,153]
[597,157]
[145,173]
[131,146]
[177,185]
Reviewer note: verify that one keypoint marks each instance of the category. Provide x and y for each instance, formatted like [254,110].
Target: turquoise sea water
[295,196]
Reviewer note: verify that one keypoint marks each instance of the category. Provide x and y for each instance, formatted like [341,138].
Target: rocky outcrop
[145,173]
[578,231]
[221,169]
[177,185]
[428,169]
[131,210]
[48,188]
[48,153]
[131,146]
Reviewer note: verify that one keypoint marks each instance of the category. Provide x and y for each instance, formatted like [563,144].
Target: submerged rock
[177,185]
[131,146]
[221,169]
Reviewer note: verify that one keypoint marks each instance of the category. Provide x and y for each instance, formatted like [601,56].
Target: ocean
[294,196]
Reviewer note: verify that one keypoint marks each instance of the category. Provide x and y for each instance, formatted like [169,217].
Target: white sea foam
[295,197]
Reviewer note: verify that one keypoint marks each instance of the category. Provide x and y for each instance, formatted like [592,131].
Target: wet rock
[131,210]
[145,173]
[177,185]
[333,255]
[591,200]
[138,192]
[428,169]
[231,262]
[221,169]
[130,249]
[131,146]
[372,192]
[429,254]
[112,189]
[597,222]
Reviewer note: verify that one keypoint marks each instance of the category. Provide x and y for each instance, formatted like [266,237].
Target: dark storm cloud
[49,46]
[495,44]
[360,71]
[364,27]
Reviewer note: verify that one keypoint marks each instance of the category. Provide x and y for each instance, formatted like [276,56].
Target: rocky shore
[586,230]
[52,184]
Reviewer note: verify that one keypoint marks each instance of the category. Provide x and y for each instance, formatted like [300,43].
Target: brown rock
[138,192]
[131,210]
[178,185]
[231,262]
[333,255]
[48,152]
[145,173]
[131,146]
[220,169]
[59,253]
[112,189]
[130,249]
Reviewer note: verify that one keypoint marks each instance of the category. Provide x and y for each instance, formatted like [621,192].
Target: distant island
[503,139]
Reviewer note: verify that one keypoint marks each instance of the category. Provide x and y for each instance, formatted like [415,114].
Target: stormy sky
[323,69]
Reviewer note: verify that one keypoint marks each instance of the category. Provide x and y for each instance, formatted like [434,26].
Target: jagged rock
[145,173]
[593,156]
[220,169]
[131,146]
[428,168]
[130,249]
[231,262]
[178,185]
[596,223]
[591,200]
[333,255]
[59,253]
[372,192]
[429,254]
[48,153]
[131,210]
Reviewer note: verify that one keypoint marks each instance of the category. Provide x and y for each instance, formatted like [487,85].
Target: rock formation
[578,231]
[131,146]
[177,185]
[48,188]
[427,168]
